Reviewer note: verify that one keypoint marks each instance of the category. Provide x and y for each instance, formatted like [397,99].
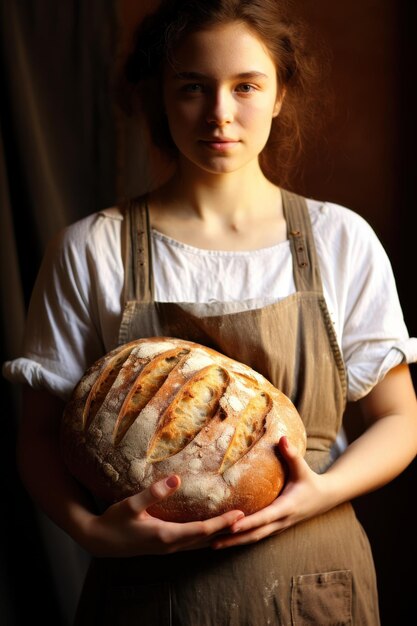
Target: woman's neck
[235,211]
[227,196]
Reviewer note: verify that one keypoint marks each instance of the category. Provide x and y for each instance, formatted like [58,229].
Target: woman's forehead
[231,49]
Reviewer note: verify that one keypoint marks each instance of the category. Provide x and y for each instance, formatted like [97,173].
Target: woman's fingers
[297,467]
[289,453]
[155,493]
[262,518]
[218,524]
[178,534]
[251,536]
[191,535]
[274,517]
[127,529]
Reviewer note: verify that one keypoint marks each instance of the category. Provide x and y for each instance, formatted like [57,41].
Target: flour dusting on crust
[196,361]
[209,489]
[162,406]
[152,348]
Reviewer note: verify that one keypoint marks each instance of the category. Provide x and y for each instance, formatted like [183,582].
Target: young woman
[221,254]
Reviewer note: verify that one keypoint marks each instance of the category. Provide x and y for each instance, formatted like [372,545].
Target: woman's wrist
[83,528]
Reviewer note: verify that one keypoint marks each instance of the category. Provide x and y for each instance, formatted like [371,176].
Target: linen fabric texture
[77,303]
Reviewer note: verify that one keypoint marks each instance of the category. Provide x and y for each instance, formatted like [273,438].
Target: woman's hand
[300,499]
[377,456]
[127,529]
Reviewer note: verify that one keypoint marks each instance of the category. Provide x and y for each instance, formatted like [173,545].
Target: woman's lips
[220,145]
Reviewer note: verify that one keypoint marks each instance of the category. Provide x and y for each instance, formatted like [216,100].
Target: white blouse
[77,302]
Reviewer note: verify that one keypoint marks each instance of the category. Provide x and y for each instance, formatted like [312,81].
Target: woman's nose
[221,109]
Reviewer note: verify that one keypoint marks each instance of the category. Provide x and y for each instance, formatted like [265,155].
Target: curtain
[57,164]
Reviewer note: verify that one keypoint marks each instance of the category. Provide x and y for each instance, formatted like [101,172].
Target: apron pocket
[324,599]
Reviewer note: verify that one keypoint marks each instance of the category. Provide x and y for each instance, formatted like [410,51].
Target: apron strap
[137,247]
[305,264]
[137,251]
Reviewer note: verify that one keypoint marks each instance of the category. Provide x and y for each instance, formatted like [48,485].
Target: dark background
[66,152]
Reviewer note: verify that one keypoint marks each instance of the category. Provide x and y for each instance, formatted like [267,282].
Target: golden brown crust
[159,406]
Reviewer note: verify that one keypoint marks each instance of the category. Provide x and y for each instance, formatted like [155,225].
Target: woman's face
[220,98]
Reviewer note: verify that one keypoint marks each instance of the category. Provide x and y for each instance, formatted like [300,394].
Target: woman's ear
[278,102]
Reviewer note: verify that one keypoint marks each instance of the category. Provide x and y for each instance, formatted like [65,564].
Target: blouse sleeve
[62,334]
[374,336]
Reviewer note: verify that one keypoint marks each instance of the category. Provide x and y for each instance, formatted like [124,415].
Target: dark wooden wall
[366,160]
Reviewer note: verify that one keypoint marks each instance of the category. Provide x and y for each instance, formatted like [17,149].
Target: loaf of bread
[159,406]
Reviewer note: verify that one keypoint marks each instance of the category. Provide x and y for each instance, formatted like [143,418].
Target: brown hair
[161,32]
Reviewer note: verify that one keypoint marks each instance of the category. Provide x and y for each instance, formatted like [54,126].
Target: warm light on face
[220,98]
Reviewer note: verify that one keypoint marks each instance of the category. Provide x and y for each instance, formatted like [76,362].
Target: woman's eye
[193,88]
[245,88]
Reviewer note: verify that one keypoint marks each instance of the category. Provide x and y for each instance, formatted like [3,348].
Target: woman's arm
[389,443]
[381,453]
[125,528]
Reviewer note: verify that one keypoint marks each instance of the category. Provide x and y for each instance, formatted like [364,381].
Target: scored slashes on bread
[159,406]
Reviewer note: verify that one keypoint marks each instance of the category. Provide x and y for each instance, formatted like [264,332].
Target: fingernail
[172,481]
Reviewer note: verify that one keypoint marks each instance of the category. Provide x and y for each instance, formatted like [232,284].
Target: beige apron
[319,572]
